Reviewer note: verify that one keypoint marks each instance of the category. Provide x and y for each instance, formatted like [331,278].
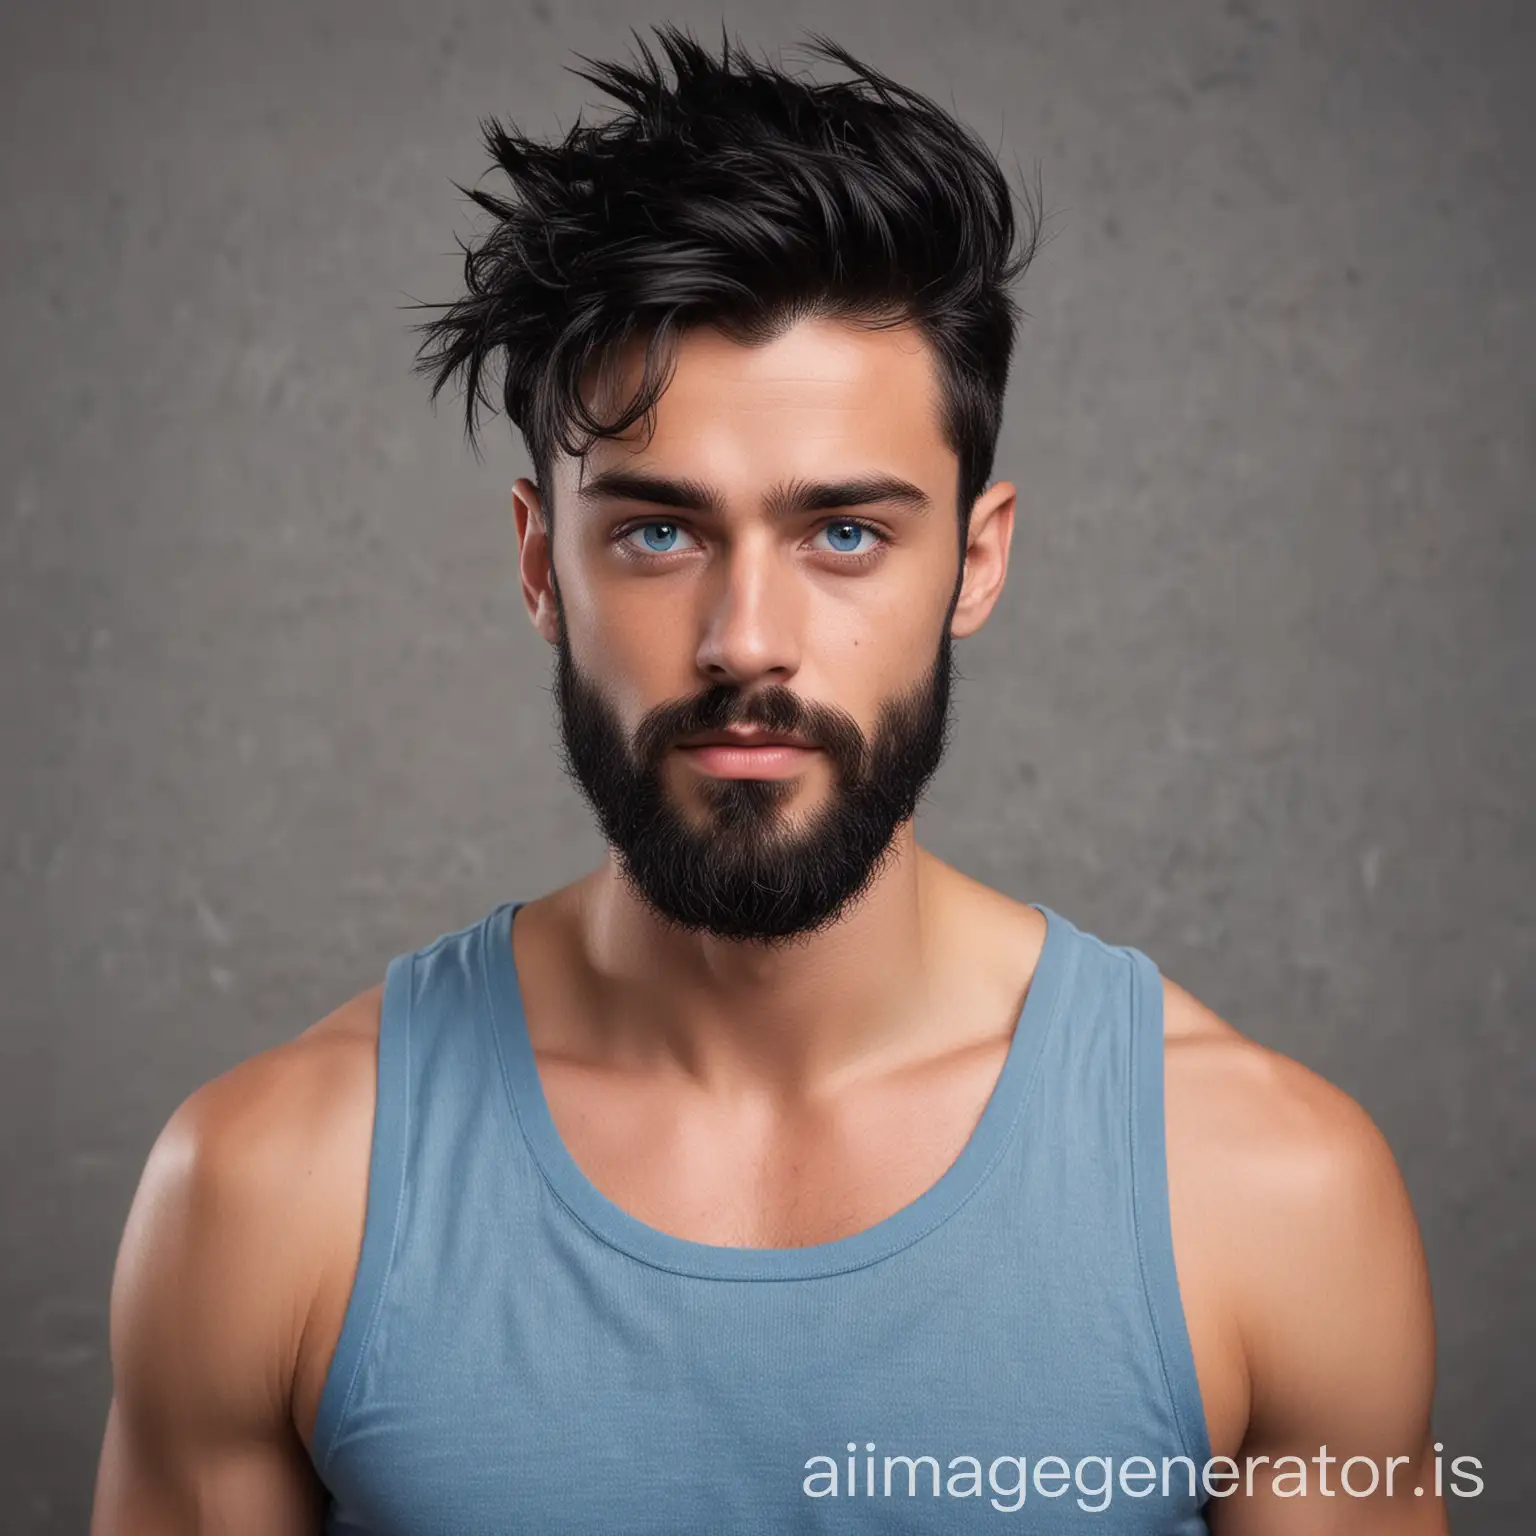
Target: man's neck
[788,1020]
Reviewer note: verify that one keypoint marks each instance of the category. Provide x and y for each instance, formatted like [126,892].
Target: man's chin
[703,802]
[748,810]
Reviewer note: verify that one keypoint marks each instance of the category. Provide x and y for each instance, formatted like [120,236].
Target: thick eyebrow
[785,500]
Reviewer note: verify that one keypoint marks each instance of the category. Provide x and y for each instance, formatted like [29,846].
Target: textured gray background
[1259,699]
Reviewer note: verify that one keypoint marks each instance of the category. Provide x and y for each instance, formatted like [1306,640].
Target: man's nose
[753,607]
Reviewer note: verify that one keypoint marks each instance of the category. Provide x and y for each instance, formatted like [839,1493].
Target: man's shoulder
[1298,1252]
[1288,1197]
[273,1117]
[1263,1115]
[252,1188]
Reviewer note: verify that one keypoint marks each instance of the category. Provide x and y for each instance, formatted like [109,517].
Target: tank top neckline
[614,1226]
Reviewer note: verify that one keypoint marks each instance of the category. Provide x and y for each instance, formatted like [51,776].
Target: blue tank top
[519,1354]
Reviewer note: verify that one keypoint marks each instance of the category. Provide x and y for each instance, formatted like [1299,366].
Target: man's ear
[988,540]
[534,564]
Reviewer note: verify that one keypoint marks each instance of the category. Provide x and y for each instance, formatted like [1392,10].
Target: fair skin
[807,1092]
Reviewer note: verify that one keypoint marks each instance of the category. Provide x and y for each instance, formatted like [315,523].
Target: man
[775,1176]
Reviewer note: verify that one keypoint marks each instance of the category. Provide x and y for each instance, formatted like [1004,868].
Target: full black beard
[744,873]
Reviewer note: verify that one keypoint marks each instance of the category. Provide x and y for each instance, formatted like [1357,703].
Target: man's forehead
[824,402]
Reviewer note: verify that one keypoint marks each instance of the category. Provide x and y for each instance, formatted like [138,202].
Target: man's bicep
[187,1487]
[198,1437]
[1340,1336]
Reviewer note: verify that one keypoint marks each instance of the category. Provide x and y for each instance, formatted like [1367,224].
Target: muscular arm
[1328,1290]
[210,1301]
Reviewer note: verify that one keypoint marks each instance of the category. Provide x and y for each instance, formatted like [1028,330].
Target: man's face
[752,624]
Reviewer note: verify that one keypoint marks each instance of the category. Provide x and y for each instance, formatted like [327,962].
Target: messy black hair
[743,198]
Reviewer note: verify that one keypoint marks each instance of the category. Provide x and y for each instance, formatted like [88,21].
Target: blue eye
[657,538]
[848,538]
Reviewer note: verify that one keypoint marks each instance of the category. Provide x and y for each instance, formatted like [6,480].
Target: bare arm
[1332,1300]
[208,1310]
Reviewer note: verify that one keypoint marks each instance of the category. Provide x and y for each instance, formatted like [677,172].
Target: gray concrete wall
[1259,699]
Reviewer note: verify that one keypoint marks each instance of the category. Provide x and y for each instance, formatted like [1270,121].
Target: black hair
[744,198]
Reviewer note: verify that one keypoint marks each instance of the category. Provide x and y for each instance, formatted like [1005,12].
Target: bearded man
[775,1176]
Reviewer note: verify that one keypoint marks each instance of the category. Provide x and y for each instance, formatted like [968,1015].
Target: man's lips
[746,739]
[747,754]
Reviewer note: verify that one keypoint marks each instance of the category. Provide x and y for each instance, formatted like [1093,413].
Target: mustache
[776,708]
